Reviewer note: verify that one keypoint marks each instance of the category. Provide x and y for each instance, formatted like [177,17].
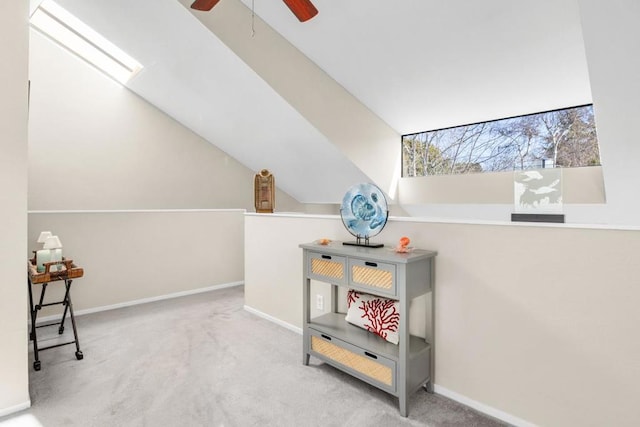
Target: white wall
[93,144]
[535,323]
[140,255]
[14,391]
[489,196]
[612,40]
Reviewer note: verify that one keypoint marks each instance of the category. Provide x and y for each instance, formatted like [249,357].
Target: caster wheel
[79,355]
[60,330]
[36,365]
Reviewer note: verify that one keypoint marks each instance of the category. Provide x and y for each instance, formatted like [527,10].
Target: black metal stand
[363,241]
[68,308]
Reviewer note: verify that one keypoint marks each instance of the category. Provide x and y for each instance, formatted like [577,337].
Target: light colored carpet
[202,360]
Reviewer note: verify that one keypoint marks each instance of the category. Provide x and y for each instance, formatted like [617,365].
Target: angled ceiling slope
[197,80]
[353,128]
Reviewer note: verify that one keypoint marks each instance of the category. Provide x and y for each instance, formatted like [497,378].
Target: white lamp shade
[52,242]
[44,235]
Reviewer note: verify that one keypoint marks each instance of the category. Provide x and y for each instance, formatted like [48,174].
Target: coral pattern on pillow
[373,313]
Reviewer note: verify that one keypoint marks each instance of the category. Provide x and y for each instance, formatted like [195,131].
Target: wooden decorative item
[70,271]
[264,190]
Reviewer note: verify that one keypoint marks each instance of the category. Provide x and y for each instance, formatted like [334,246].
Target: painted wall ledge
[133,211]
[460,221]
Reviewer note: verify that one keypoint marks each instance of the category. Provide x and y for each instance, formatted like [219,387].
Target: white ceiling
[428,64]
[417,64]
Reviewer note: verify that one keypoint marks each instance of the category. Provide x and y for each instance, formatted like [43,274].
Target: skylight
[67,30]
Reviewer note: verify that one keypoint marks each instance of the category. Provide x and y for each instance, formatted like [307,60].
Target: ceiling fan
[302,9]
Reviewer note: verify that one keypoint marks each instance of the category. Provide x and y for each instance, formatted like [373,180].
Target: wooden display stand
[51,273]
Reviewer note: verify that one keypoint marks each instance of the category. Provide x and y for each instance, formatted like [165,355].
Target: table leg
[69,304]
[34,314]
[65,302]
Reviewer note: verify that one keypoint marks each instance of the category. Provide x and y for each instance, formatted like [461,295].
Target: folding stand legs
[68,307]
[32,335]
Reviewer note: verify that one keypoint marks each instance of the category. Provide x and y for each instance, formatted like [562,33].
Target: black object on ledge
[363,241]
[521,217]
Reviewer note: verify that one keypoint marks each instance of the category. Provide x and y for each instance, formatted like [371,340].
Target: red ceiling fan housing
[302,9]
[204,5]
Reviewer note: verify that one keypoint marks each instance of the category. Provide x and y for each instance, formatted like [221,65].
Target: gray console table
[397,369]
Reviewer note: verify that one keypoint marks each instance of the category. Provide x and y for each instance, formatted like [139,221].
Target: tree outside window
[559,138]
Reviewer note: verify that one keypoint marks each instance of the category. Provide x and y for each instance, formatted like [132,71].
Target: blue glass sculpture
[364,213]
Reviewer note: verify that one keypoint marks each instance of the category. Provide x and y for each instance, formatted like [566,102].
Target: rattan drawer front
[368,366]
[328,268]
[379,276]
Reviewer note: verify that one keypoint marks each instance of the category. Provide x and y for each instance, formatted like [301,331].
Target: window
[559,138]
[65,29]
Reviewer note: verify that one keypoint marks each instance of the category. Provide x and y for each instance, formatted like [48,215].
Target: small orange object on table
[64,271]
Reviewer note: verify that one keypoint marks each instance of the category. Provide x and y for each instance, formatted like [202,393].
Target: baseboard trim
[144,301]
[478,406]
[481,407]
[273,319]
[15,408]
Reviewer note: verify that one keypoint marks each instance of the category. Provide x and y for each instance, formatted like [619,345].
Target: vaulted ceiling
[394,67]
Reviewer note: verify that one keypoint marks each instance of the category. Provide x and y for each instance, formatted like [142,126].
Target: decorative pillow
[375,314]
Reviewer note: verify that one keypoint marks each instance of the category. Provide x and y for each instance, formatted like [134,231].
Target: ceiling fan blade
[303,9]
[204,5]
